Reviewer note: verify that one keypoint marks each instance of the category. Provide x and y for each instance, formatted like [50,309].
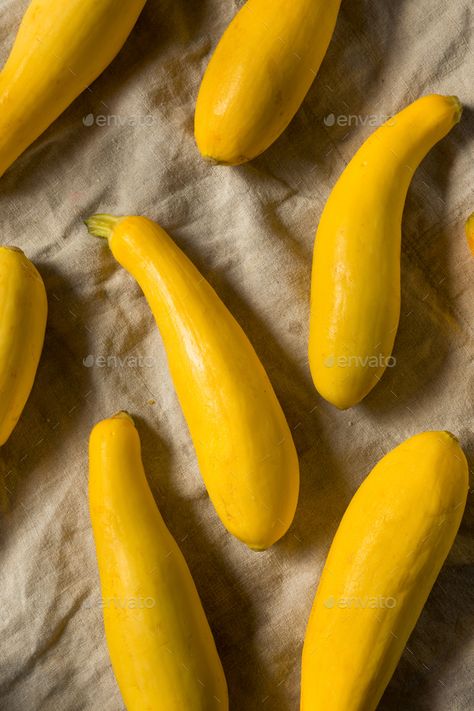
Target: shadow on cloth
[52,411]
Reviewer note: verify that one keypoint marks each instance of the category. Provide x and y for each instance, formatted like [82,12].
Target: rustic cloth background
[250,230]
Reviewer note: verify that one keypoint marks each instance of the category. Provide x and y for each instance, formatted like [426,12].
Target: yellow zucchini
[23,312]
[383,562]
[355,293]
[160,644]
[60,48]
[259,75]
[243,444]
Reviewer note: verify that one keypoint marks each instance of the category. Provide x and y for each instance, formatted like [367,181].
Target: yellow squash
[243,444]
[23,311]
[160,644]
[60,48]
[383,562]
[259,75]
[470,232]
[355,293]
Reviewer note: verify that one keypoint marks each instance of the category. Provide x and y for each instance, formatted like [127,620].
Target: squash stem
[123,415]
[12,248]
[457,108]
[101,225]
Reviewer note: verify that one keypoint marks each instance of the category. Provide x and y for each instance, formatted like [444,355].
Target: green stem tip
[101,225]
[457,108]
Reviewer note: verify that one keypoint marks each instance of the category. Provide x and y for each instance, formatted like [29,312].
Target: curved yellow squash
[383,562]
[23,312]
[259,75]
[243,444]
[355,292]
[60,48]
[160,644]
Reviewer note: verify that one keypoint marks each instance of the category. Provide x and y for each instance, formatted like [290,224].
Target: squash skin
[389,548]
[259,75]
[469,227]
[243,444]
[23,314]
[160,644]
[60,48]
[355,290]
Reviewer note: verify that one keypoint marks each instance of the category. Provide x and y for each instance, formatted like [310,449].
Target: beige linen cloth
[126,146]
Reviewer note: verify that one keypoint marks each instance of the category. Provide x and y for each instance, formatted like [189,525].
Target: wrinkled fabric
[126,146]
